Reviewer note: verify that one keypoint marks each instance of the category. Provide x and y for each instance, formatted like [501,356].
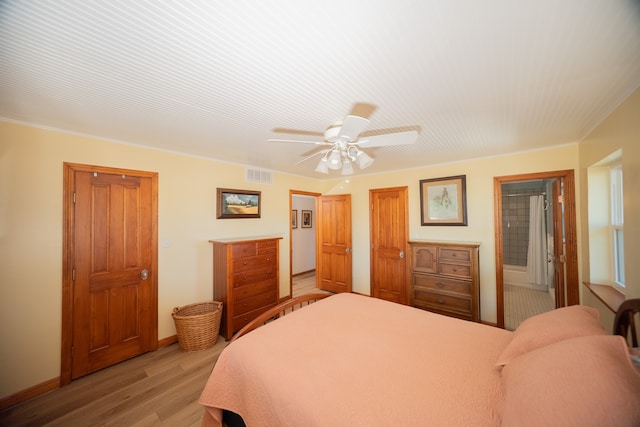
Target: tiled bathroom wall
[515,220]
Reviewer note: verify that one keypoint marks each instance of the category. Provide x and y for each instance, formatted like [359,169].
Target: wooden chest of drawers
[245,279]
[445,278]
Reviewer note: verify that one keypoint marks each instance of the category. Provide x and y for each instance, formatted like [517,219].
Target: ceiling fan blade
[313,155]
[386,131]
[298,141]
[362,109]
[401,138]
[352,126]
[298,132]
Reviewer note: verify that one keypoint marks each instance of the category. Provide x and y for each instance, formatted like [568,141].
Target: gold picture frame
[443,201]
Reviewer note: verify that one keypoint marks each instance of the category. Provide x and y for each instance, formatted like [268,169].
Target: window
[617,223]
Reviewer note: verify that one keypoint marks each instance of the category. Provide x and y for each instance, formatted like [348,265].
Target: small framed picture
[443,201]
[294,218]
[306,219]
[237,204]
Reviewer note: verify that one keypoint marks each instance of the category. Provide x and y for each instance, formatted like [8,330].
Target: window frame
[616,224]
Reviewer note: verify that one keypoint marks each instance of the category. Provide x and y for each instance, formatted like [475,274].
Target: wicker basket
[197,325]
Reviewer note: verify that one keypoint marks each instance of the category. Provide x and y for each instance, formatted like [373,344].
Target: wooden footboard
[279,310]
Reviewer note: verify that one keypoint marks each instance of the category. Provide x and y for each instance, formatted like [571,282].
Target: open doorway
[302,242]
[528,250]
[536,250]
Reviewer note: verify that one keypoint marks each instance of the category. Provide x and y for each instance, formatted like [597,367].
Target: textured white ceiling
[215,78]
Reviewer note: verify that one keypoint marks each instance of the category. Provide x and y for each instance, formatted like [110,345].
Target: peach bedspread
[353,360]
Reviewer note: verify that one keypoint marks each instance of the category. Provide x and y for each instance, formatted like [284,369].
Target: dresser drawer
[252,276]
[436,301]
[240,320]
[455,270]
[242,265]
[424,259]
[454,254]
[442,284]
[252,290]
[266,248]
[253,303]
[240,250]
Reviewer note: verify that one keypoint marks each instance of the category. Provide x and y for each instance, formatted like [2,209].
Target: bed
[353,360]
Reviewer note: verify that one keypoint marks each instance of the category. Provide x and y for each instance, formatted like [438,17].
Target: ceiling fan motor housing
[332,132]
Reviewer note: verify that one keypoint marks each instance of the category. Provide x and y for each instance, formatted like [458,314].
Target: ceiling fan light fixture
[347,167]
[335,161]
[363,159]
[323,166]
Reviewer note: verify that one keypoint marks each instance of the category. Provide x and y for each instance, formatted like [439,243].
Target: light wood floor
[155,389]
[305,283]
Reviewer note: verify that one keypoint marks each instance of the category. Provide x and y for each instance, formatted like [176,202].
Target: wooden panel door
[334,252]
[113,258]
[559,257]
[389,240]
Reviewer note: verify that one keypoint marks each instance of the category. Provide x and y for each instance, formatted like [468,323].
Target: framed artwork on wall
[237,204]
[443,201]
[294,218]
[306,219]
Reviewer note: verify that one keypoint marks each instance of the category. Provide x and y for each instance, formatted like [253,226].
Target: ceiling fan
[344,144]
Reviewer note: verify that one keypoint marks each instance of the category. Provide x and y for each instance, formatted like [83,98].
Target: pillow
[584,381]
[550,327]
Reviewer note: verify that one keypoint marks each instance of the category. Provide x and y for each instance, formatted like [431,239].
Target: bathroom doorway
[527,248]
[536,253]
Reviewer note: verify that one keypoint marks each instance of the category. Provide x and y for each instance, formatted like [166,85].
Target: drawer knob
[244,263]
[441,301]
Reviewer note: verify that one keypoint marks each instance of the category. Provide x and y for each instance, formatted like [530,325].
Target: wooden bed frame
[279,310]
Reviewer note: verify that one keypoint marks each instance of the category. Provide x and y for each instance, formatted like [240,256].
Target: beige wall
[31,165]
[621,130]
[31,223]
[479,179]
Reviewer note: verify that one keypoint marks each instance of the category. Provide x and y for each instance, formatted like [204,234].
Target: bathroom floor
[521,302]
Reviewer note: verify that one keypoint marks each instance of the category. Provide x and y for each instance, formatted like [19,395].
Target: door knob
[348,250]
[401,254]
[144,274]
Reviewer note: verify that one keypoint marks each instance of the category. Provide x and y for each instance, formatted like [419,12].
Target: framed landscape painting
[237,204]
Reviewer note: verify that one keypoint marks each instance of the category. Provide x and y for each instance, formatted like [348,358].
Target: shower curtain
[537,251]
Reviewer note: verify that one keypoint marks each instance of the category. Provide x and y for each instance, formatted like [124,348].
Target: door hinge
[562,258]
[74,197]
[73,274]
[72,350]
[561,198]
